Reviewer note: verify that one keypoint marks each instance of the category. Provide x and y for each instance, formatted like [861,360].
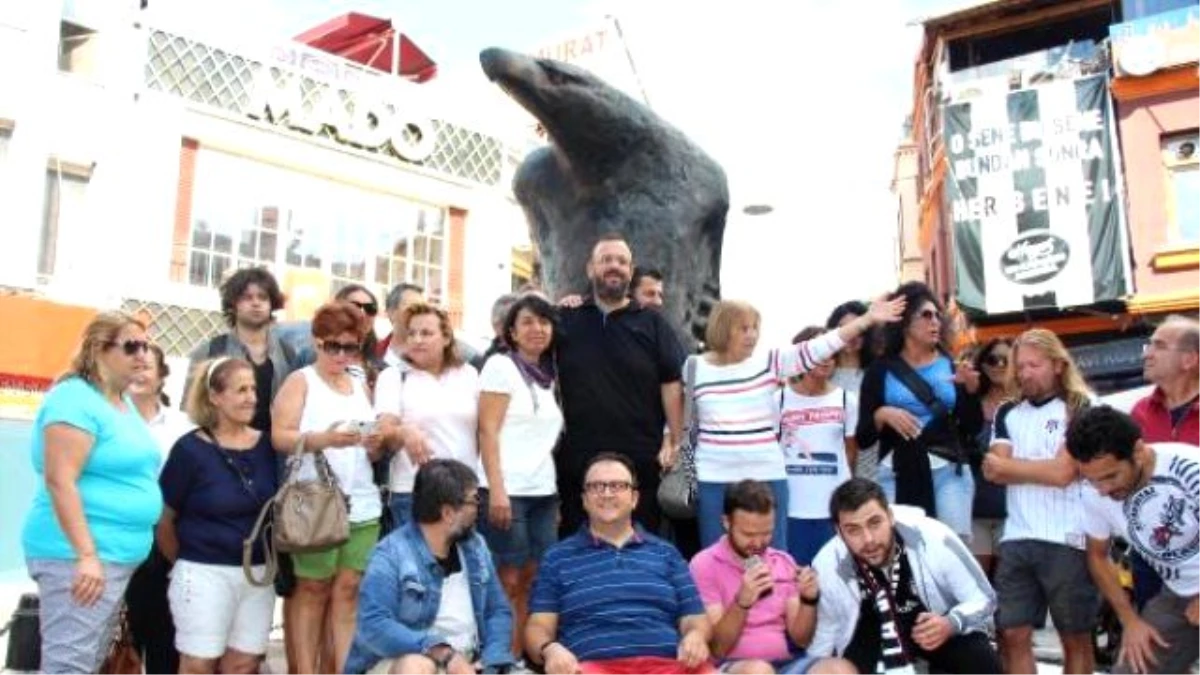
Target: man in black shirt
[619,374]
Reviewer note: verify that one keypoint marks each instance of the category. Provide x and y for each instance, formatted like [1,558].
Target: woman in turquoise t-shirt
[93,516]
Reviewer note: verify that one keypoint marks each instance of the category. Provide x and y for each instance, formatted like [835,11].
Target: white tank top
[324,407]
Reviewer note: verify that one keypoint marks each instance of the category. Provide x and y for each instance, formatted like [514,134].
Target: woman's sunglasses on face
[996,360]
[930,315]
[368,308]
[130,347]
[334,348]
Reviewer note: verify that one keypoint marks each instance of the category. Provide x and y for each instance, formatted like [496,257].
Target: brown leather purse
[306,516]
[123,656]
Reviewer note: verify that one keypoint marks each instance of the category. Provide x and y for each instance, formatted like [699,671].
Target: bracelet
[542,651]
[744,608]
[811,603]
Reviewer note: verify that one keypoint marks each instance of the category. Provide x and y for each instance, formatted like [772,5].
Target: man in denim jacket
[430,600]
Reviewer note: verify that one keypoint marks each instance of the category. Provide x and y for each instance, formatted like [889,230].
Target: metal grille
[175,328]
[212,76]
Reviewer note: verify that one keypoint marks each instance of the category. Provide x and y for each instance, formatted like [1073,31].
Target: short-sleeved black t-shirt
[611,371]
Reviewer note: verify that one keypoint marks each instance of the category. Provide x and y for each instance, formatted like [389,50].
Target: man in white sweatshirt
[898,587]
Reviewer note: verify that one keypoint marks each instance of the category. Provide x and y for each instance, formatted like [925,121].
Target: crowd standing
[866,500]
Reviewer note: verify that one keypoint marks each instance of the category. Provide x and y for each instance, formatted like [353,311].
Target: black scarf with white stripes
[891,597]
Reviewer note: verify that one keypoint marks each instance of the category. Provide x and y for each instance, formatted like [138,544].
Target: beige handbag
[306,516]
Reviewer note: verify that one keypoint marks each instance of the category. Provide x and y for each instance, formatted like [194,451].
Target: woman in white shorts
[214,484]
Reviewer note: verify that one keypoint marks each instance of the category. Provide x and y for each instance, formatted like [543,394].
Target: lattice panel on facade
[175,328]
[203,74]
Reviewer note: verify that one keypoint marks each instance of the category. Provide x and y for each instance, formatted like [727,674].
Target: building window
[294,221]
[77,49]
[1183,187]
[66,192]
[1139,9]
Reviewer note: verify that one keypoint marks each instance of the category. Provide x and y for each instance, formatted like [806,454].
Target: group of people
[503,505]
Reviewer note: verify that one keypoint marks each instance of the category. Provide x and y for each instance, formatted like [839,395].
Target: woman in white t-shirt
[428,404]
[519,424]
[817,438]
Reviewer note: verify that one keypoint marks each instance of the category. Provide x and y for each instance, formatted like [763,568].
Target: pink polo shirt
[718,573]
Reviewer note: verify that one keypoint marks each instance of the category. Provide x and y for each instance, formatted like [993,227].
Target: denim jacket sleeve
[498,622]
[379,626]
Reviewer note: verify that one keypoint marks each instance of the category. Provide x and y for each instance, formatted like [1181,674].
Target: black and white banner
[1032,194]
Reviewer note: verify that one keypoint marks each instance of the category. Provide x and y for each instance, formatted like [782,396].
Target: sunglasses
[996,360]
[335,348]
[130,347]
[930,315]
[368,308]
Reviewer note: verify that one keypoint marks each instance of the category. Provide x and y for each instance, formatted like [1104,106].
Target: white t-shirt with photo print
[813,437]
[1162,520]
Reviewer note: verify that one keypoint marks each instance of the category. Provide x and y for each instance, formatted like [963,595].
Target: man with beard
[756,597]
[1150,496]
[646,288]
[1042,563]
[898,587]
[619,375]
[430,600]
[613,598]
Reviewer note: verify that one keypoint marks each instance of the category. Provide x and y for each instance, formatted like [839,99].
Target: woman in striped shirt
[736,394]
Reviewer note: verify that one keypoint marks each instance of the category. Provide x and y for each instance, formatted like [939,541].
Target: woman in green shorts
[323,408]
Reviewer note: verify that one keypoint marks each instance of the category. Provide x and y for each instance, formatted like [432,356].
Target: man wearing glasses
[613,598]
[430,600]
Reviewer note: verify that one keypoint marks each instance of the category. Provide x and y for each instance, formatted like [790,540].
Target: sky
[802,102]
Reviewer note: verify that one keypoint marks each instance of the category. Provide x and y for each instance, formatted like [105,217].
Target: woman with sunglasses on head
[428,403]
[215,483]
[323,408]
[93,514]
[146,598]
[370,363]
[924,413]
[995,387]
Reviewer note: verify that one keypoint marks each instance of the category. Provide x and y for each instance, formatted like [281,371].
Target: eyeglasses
[996,361]
[368,308]
[473,500]
[930,315]
[335,348]
[1159,346]
[130,347]
[599,487]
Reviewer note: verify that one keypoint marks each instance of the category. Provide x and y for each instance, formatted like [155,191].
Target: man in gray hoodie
[898,587]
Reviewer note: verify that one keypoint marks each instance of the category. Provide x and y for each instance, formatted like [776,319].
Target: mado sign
[373,123]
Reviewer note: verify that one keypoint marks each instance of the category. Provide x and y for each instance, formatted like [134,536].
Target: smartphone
[753,562]
[364,428]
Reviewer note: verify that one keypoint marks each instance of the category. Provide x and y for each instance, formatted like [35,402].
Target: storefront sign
[1152,43]
[302,104]
[1030,191]
[600,49]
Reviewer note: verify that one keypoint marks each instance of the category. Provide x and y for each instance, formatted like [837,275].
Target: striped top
[615,603]
[738,409]
[1035,431]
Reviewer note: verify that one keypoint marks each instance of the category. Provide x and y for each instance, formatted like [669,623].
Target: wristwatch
[811,603]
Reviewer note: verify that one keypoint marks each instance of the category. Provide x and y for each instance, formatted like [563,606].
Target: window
[77,49]
[291,220]
[66,193]
[980,50]
[1139,9]
[1183,187]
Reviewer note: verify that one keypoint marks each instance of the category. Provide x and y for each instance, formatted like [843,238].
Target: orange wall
[1142,123]
[39,336]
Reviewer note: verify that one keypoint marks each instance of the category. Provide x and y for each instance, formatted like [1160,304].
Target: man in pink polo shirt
[756,597]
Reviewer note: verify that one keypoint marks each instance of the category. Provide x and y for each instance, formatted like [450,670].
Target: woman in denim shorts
[519,424]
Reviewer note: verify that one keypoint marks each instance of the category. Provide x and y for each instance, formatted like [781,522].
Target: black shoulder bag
[948,446]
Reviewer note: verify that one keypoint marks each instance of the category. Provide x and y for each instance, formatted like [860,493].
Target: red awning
[370,41]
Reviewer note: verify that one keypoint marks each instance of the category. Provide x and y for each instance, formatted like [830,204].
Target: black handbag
[953,448]
[24,636]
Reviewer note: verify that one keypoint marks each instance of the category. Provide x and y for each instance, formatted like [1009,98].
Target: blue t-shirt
[940,376]
[118,484]
[616,603]
[216,495]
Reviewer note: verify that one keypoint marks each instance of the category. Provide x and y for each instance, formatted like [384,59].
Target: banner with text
[1031,192]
